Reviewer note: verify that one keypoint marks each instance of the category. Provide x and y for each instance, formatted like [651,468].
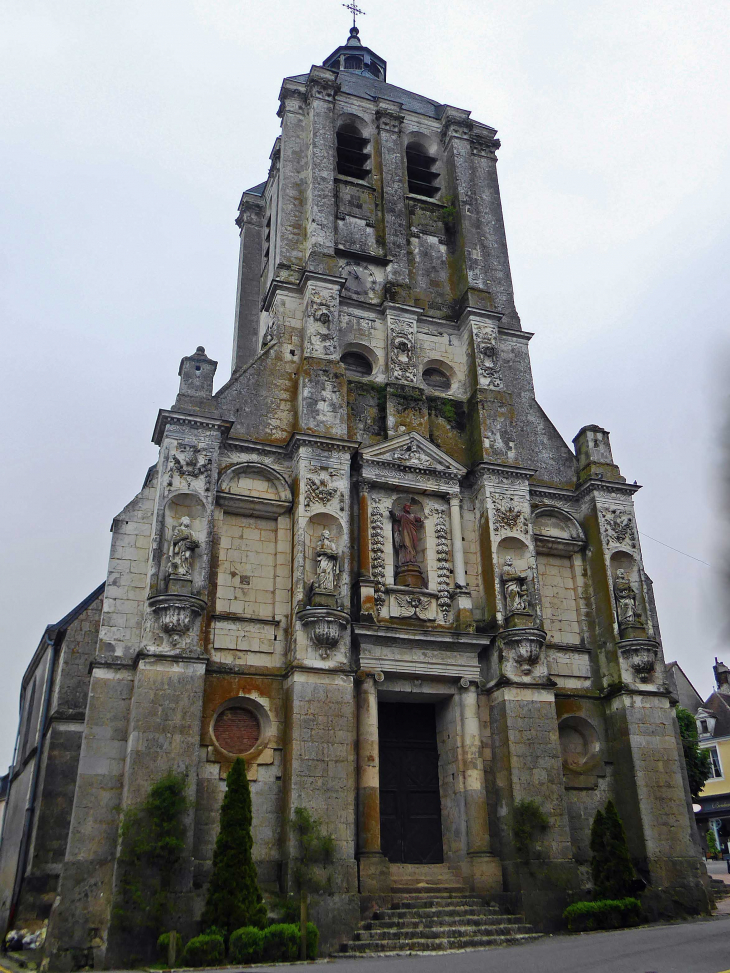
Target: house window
[422,173]
[353,156]
[703,726]
[715,766]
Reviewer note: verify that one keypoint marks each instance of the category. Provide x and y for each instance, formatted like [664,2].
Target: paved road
[688,947]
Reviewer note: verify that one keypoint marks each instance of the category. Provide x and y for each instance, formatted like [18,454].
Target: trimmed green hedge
[281,943]
[205,950]
[246,945]
[312,940]
[603,914]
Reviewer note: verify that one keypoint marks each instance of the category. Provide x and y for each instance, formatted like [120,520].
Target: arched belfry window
[422,173]
[353,155]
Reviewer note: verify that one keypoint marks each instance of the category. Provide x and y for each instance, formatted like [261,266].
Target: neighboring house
[38,791]
[713,726]
[685,692]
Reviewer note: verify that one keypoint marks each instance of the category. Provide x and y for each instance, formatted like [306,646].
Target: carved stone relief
[411,452]
[321,490]
[626,601]
[189,463]
[509,516]
[486,352]
[413,606]
[321,325]
[402,351]
[618,524]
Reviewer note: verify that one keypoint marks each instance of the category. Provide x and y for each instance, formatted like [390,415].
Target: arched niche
[417,509]
[358,348]
[439,365]
[254,488]
[622,561]
[178,506]
[312,533]
[513,547]
[580,746]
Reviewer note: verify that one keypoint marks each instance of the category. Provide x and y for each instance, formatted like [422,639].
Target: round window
[436,379]
[237,730]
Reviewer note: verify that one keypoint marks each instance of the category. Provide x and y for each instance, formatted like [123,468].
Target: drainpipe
[30,807]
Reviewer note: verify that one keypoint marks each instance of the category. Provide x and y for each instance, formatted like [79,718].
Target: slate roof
[257,190]
[719,704]
[365,87]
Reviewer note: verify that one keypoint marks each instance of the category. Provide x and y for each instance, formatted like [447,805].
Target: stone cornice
[167,416]
[609,488]
[330,443]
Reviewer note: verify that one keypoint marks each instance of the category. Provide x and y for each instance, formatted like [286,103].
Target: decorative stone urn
[176,615]
[521,654]
[324,627]
[640,657]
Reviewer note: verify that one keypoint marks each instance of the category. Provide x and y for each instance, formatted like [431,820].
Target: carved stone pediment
[411,460]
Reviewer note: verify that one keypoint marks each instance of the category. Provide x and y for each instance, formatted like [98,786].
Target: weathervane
[354,9]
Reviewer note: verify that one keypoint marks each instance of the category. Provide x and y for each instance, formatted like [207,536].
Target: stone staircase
[432,912]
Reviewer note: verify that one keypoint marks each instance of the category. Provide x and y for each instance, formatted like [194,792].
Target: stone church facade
[369,564]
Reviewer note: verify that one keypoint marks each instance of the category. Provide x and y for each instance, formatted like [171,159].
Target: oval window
[436,379]
[356,364]
[237,730]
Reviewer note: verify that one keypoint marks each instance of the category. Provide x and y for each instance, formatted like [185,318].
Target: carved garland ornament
[320,490]
[508,517]
[442,561]
[377,555]
[189,465]
[618,524]
[402,352]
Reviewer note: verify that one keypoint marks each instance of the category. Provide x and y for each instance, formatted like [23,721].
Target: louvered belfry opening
[422,174]
[353,157]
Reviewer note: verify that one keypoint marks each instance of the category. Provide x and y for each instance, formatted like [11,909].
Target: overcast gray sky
[128,130]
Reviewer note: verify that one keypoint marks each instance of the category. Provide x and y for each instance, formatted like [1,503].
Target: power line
[676,549]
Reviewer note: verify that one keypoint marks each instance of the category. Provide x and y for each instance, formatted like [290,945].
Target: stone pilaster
[322,395]
[482,871]
[289,257]
[374,868]
[389,120]
[246,328]
[320,236]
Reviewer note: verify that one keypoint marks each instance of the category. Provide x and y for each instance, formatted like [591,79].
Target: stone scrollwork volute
[402,352]
[377,554]
[486,353]
[321,319]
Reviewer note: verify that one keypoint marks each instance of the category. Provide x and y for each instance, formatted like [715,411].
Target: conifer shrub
[152,840]
[614,876]
[246,945]
[312,941]
[281,943]
[234,897]
[604,914]
[205,950]
[163,947]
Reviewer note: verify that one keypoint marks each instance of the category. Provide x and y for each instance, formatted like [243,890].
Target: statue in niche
[182,546]
[628,613]
[515,588]
[405,535]
[327,563]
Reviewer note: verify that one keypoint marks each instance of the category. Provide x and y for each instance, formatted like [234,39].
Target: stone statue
[405,535]
[181,550]
[327,563]
[628,613]
[515,588]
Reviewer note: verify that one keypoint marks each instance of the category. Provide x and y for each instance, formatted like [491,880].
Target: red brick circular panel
[237,730]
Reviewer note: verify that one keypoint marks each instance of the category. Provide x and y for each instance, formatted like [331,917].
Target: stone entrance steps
[429,922]
[405,879]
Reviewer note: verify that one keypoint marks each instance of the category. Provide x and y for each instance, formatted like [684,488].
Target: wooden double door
[410,800]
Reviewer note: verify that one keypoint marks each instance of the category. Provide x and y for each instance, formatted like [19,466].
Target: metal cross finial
[354,9]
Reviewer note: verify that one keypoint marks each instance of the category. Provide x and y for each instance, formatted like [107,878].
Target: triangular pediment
[414,451]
